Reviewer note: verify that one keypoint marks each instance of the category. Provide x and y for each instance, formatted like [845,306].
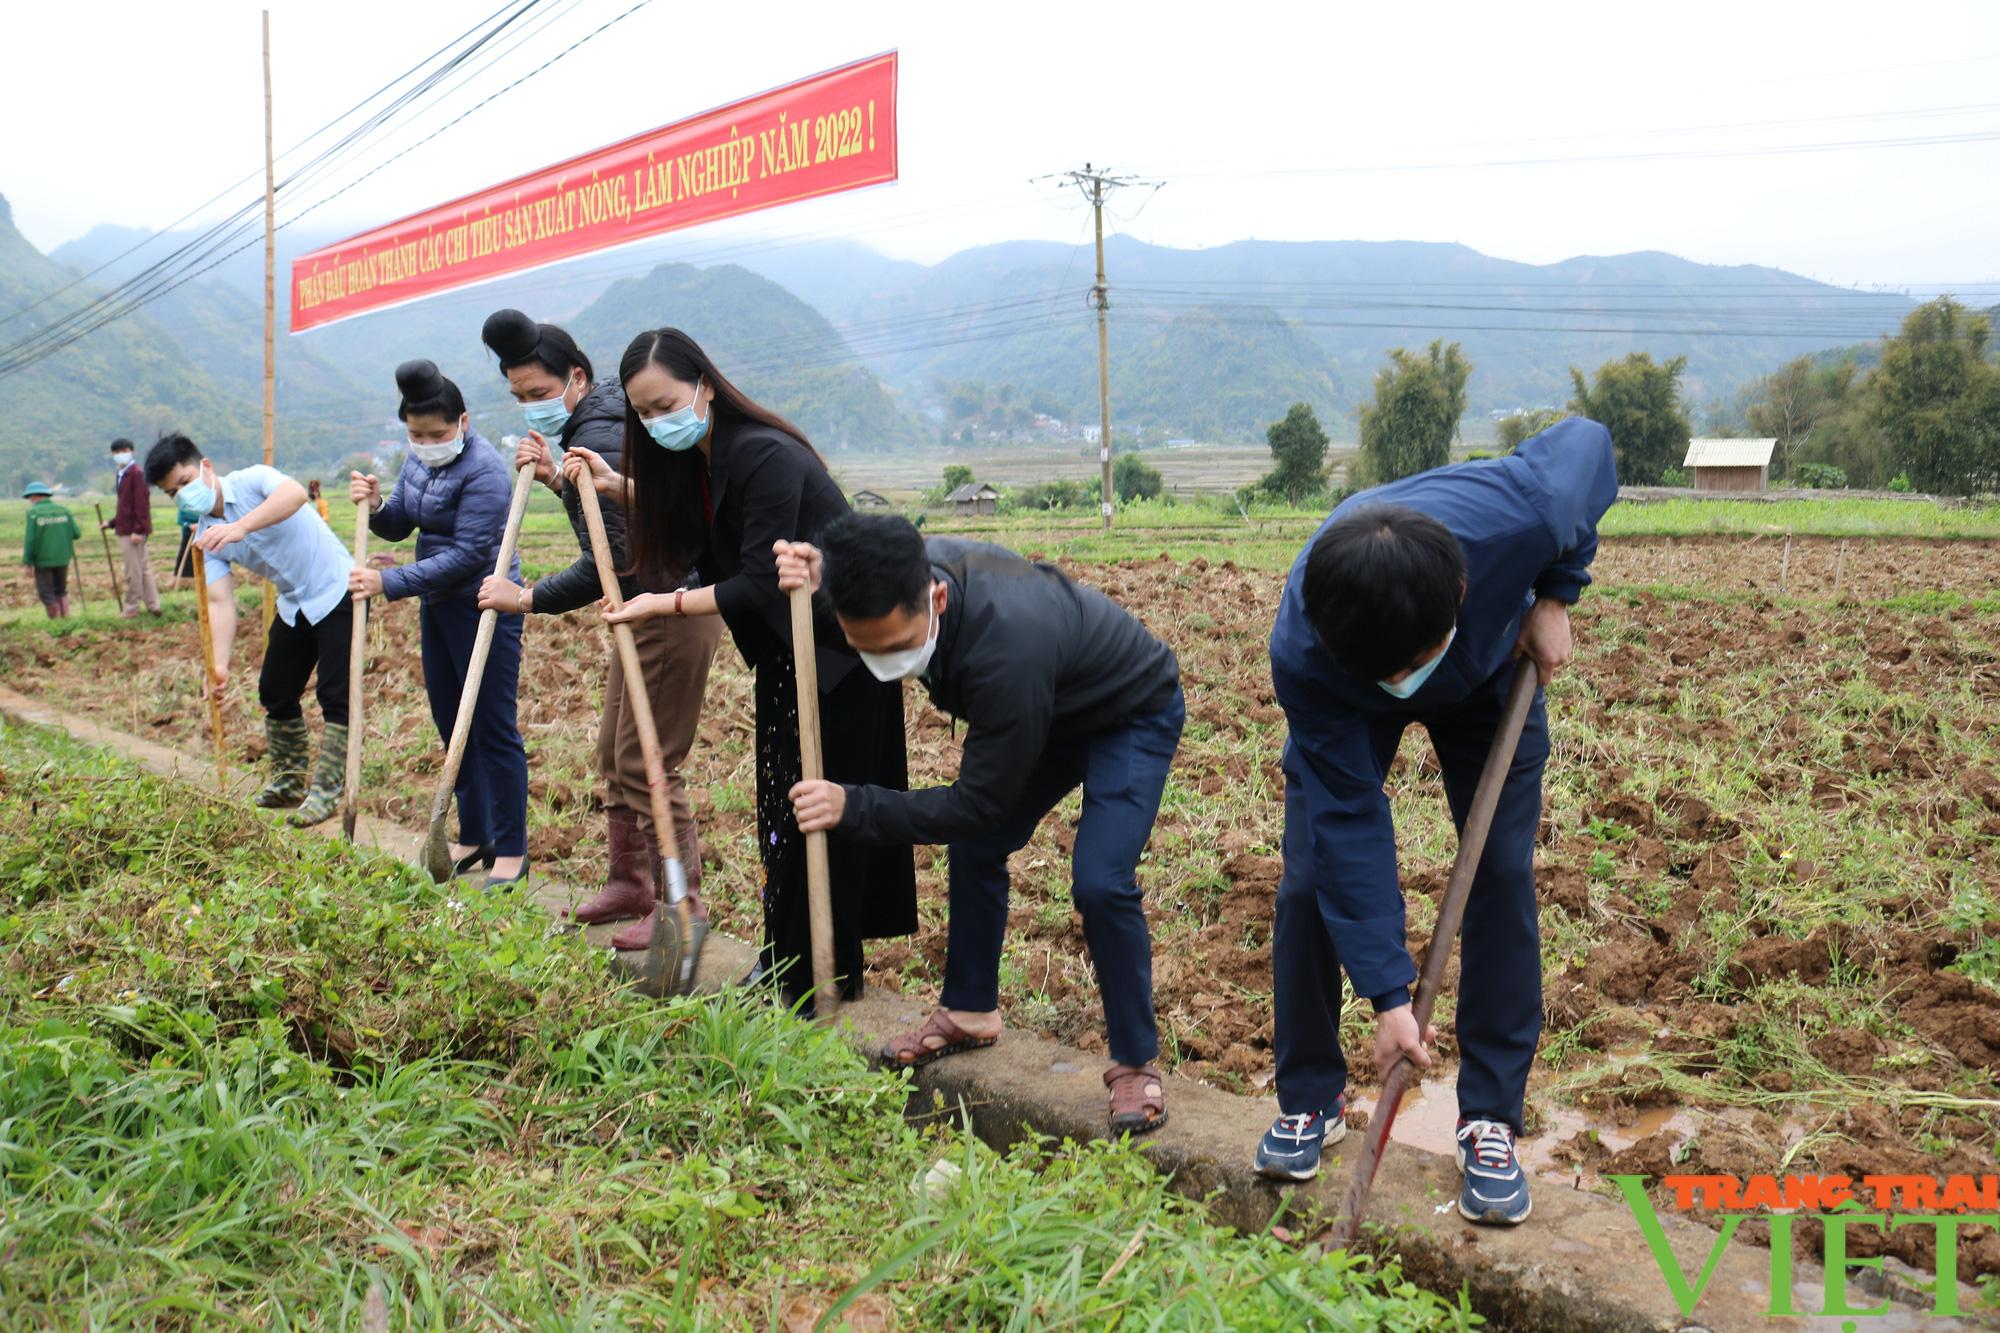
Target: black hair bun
[420,381]
[511,335]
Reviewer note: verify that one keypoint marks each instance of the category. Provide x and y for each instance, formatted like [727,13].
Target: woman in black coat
[714,480]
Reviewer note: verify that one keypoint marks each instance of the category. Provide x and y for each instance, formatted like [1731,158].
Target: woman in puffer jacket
[453,492]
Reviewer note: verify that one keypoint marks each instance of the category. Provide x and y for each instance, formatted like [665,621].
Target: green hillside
[775,347]
[129,378]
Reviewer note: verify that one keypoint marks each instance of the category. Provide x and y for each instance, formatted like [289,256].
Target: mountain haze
[869,352]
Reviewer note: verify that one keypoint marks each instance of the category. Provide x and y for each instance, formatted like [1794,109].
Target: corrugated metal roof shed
[1729,453]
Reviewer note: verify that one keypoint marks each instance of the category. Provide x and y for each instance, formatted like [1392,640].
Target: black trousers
[291,654]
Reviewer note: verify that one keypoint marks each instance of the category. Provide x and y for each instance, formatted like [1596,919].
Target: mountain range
[871,352]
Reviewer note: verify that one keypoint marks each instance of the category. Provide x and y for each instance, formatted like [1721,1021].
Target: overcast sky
[1439,122]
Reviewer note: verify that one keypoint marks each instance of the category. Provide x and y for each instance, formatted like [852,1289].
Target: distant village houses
[974,497]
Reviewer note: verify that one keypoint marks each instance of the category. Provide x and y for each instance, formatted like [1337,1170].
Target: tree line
[1926,417]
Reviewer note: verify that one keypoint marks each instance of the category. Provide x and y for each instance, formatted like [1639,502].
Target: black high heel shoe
[495,882]
[482,856]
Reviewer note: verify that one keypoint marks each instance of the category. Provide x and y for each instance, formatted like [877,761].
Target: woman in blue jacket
[454,492]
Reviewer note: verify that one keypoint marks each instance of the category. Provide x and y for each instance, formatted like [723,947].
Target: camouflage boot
[323,798]
[285,744]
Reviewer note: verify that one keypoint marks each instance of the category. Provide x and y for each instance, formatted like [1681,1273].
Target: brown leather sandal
[1138,1098]
[913,1049]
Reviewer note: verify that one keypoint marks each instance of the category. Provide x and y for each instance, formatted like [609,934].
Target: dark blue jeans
[1499,1014]
[1122,773]
[492,787]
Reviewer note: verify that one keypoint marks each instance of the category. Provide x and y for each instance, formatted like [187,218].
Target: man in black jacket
[1060,687]
[551,379]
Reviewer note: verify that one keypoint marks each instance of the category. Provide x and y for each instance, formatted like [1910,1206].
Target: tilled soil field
[1769,856]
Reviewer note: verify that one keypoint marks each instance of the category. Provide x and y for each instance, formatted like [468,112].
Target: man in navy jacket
[1414,602]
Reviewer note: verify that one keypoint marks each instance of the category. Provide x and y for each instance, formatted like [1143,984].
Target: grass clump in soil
[247,1078]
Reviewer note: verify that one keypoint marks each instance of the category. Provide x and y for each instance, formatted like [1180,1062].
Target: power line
[160,277]
[202,207]
[32,350]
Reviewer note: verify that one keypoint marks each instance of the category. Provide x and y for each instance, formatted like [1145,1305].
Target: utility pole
[1095,184]
[270,302]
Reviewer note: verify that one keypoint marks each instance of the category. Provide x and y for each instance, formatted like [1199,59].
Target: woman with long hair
[712,481]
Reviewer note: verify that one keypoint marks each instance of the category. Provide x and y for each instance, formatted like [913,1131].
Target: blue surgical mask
[550,415]
[679,429]
[194,500]
[1413,682]
[437,455]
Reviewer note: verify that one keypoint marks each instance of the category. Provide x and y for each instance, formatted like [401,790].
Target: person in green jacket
[51,542]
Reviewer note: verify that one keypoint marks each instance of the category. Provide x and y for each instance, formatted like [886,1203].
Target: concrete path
[1580,1264]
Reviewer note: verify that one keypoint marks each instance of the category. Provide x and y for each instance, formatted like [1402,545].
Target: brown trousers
[141,592]
[674,655]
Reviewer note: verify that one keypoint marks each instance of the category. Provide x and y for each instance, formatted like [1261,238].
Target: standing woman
[551,378]
[715,480]
[454,492]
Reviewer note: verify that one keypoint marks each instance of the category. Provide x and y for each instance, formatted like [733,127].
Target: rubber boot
[329,777]
[640,932]
[629,889]
[62,609]
[289,749]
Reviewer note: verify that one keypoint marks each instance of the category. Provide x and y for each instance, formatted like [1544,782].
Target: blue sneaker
[1291,1146]
[1495,1189]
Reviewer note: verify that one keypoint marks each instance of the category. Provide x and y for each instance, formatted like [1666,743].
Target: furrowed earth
[1767,864]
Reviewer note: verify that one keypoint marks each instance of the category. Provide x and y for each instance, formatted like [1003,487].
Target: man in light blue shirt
[258,518]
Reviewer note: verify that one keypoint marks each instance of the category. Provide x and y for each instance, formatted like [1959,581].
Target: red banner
[835,131]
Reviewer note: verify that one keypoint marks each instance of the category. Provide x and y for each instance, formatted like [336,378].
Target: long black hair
[518,340]
[667,524]
[426,392]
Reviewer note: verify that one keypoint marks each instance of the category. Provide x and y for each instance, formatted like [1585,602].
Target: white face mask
[437,455]
[909,662]
[1413,682]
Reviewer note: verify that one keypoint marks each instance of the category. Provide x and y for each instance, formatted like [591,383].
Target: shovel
[117,595]
[437,848]
[819,894]
[1451,914]
[357,651]
[208,667]
[674,950]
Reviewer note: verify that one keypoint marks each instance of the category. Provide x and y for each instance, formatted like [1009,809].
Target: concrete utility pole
[1095,184]
[270,302]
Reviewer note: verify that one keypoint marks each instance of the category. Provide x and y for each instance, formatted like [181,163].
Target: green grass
[250,1079]
[1830,517]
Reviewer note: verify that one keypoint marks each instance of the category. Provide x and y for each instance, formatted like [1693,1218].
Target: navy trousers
[1122,773]
[1499,1014]
[492,785]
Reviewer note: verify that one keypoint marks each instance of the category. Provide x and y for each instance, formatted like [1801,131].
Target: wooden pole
[819,892]
[357,657]
[1451,914]
[674,974]
[77,565]
[437,853]
[1839,564]
[208,668]
[1785,565]
[112,565]
[270,301]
